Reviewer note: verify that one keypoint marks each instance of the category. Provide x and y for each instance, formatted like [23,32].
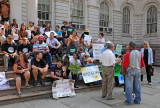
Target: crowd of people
[33,56]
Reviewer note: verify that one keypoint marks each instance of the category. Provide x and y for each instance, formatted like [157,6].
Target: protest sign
[97,48]
[91,74]
[4,83]
[63,88]
[118,49]
[29,34]
[48,33]
[117,69]
[88,38]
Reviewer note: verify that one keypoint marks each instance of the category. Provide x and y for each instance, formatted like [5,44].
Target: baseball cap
[41,37]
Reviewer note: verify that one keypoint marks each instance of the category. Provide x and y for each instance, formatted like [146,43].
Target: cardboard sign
[97,48]
[48,33]
[117,69]
[91,74]
[4,83]
[88,38]
[118,49]
[63,88]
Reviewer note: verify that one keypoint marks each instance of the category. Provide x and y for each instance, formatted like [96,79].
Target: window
[104,15]
[44,11]
[152,20]
[77,11]
[126,21]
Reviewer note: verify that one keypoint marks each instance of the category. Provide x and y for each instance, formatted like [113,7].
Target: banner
[63,88]
[48,33]
[4,83]
[118,49]
[91,74]
[97,48]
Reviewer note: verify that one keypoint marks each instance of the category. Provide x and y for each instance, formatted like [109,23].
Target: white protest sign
[91,74]
[29,34]
[48,33]
[4,83]
[118,49]
[97,48]
[63,88]
[88,38]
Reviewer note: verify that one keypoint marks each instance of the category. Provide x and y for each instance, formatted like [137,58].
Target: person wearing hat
[70,29]
[9,50]
[133,62]
[106,46]
[25,47]
[64,29]
[42,47]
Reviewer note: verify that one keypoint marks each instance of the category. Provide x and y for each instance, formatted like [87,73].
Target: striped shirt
[40,47]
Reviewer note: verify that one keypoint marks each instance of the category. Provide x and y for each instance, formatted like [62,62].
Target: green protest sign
[118,49]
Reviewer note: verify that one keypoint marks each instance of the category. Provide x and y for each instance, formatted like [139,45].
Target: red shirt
[126,60]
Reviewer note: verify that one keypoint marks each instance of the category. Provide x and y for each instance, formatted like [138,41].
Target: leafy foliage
[74,68]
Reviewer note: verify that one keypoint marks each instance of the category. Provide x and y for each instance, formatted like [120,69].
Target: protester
[64,29]
[70,29]
[31,26]
[15,26]
[75,60]
[66,64]
[72,48]
[108,61]
[47,28]
[35,34]
[9,49]
[39,68]
[21,70]
[133,62]
[42,29]
[148,60]
[101,40]
[5,10]
[42,47]
[83,50]
[7,30]
[22,33]
[58,72]
[59,36]
[105,47]
[25,48]
[54,45]
[74,37]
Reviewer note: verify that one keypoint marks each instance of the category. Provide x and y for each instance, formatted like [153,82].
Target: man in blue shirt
[59,36]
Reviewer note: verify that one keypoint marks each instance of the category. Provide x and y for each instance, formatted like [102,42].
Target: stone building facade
[120,20]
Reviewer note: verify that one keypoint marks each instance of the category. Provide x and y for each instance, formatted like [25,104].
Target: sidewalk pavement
[92,99]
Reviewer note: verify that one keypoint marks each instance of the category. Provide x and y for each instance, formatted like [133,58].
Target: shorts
[18,75]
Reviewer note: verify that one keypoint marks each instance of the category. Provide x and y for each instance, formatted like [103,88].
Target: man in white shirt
[108,60]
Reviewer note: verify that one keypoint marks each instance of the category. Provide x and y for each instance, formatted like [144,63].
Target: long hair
[24,56]
[23,25]
[38,31]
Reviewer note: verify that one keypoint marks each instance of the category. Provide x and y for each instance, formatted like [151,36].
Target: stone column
[16,10]
[32,11]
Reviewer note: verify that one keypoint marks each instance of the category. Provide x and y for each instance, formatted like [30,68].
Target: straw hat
[86,30]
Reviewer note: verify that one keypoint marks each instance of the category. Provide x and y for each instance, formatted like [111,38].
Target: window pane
[39,15]
[47,16]
[39,6]
[126,20]
[43,15]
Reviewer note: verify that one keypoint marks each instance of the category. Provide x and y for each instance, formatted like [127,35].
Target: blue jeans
[133,81]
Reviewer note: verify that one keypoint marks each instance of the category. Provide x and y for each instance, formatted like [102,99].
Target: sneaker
[103,97]
[5,70]
[149,83]
[124,93]
[127,103]
[27,85]
[35,83]
[19,94]
[136,102]
[42,82]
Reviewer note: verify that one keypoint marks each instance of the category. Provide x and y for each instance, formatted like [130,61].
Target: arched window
[152,20]
[44,11]
[104,15]
[126,20]
[77,11]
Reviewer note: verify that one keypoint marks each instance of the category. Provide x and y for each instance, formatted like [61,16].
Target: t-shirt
[25,49]
[57,71]
[8,32]
[101,40]
[40,47]
[72,49]
[59,33]
[9,48]
[64,28]
[33,32]
[41,63]
[70,31]
[53,42]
